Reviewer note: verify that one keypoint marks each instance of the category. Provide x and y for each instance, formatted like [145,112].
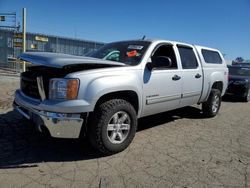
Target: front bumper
[59,124]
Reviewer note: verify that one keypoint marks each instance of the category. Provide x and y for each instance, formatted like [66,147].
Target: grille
[28,81]
[29,86]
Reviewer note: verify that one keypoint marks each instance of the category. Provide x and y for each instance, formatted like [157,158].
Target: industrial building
[11,45]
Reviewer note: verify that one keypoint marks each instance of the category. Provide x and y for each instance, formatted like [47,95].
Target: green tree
[238,60]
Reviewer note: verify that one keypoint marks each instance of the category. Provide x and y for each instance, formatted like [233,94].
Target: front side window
[162,53]
[128,52]
[188,58]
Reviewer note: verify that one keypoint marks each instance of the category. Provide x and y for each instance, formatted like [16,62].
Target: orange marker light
[72,89]
[132,53]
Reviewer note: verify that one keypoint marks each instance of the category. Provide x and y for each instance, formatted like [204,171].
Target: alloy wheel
[118,127]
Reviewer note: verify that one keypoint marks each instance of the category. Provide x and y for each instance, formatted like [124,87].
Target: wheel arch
[217,85]
[128,95]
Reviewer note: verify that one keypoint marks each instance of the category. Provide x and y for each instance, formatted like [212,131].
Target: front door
[162,84]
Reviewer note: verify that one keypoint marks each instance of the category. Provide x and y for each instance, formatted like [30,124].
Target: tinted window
[239,71]
[188,59]
[211,56]
[165,51]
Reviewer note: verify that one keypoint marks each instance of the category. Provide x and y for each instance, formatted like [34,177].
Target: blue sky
[222,24]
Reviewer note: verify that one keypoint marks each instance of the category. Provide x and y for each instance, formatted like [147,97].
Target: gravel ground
[173,149]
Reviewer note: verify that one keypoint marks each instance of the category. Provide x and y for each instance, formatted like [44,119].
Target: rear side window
[188,59]
[211,56]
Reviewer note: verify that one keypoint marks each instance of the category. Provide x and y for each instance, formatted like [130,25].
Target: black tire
[105,113]
[247,97]
[211,107]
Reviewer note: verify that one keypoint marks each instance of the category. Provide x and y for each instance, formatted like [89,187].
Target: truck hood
[58,60]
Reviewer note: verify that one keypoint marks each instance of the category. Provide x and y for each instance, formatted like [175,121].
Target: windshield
[129,52]
[239,71]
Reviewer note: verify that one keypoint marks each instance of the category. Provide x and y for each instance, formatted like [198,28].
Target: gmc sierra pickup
[102,96]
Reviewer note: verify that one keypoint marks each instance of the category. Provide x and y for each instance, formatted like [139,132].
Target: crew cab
[103,95]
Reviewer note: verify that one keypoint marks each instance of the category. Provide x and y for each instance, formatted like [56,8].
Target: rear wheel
[247,97]
[211,107]
[113,126]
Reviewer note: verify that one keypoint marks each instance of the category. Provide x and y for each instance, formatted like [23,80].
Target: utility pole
[24,36]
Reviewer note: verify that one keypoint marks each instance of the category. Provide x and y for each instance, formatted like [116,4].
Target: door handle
[176,77]
[197,75]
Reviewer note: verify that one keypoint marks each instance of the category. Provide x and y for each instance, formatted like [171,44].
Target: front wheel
[211,107]
[113,126]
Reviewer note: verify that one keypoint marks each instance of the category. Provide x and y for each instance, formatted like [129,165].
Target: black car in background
[239,81]
[241,64]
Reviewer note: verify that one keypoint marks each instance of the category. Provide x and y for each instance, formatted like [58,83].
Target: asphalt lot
[173,149]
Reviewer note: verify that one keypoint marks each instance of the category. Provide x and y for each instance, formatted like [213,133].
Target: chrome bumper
[60,125]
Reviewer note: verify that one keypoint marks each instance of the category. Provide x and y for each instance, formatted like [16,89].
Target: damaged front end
[48,98]
[33,97]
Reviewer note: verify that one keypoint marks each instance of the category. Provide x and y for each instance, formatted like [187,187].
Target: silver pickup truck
[103,94]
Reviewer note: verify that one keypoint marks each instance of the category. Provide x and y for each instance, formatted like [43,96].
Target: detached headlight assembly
[63,88]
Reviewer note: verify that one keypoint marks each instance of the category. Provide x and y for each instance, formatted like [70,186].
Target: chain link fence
[11,68]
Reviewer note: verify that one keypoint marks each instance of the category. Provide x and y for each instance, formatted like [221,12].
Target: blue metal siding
[55,44]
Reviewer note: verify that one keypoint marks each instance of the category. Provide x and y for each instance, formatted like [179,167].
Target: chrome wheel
[118,127]
[215,104]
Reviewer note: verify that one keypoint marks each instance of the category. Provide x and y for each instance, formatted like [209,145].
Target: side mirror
[149,64]
[162,62]
[159,62]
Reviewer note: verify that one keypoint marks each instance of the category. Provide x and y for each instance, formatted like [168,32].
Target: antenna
[144,36]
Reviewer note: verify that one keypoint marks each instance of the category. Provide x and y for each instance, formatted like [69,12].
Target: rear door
[192,76]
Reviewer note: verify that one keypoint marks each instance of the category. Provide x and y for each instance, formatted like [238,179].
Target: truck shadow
[189,112]
[21,146]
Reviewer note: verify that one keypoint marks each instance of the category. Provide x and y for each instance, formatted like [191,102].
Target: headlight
[63,88]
